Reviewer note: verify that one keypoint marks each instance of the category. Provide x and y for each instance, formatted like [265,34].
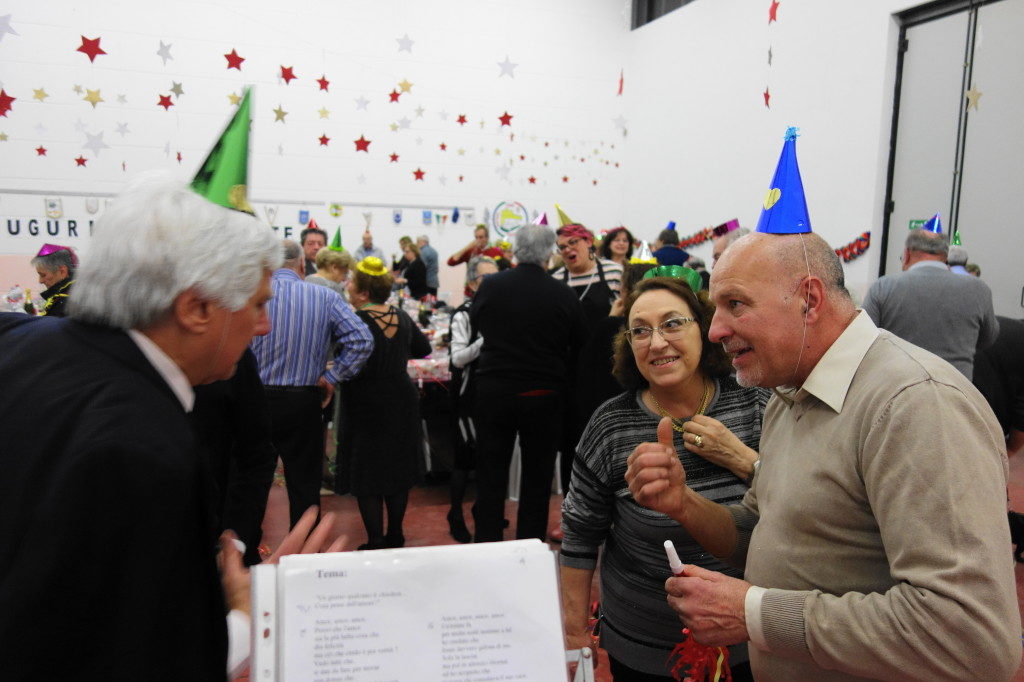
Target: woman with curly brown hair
[670,370]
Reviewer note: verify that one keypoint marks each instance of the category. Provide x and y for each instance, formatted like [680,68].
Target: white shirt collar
[830,379]
[929,264]
[166,367]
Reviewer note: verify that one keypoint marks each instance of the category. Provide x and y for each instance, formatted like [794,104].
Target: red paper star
[90,47]
[394,157]
[394,95]
[179,157]
[287,74]
[419,174]
[40,150]
[772,10]
[522,157]
[594,181]
[362,144]
[767,96]
[565,178]
[532,180]
[81,160]
[460,178]
[461,120]
[322,80]
[234,61]
[444,147]
[5,103]
[582,160]
[324,140]
[506,119]
[165,102]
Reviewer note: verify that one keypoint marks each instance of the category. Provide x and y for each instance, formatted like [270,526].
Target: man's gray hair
[159,239]
[52,262]
[533,244]
[924,241]
[957,256]
[292,252]
[423,238]
[473,266]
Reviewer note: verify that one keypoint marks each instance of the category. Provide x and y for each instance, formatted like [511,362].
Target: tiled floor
[426,525]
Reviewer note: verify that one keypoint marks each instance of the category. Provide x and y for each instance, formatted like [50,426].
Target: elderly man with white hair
[108,567]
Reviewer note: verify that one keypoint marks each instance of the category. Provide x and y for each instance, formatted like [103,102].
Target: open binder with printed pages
[487,611]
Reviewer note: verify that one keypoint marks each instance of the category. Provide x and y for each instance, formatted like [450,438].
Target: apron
[597,298]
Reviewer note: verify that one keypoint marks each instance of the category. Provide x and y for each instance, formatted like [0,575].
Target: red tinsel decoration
[696,662]
[856,248]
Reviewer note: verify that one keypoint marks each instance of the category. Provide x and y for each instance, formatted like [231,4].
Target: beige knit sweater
[878,522]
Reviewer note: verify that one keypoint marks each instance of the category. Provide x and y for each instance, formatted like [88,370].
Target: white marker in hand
[673,559]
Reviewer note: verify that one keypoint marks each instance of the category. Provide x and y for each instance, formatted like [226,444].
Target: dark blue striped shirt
[304,320]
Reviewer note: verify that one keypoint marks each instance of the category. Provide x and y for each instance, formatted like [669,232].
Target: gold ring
[698,441]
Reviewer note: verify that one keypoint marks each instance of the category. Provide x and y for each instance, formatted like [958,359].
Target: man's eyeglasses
[670,329]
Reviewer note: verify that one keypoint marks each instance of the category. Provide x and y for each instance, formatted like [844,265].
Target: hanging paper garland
[856,248]
[707,234]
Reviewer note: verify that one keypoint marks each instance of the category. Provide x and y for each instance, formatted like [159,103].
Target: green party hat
[222,178]
[336,242]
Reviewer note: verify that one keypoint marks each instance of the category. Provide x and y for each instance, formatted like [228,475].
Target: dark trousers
[538,421]
[297,430]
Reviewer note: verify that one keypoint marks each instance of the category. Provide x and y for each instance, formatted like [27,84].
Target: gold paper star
[176,89]
[394,127]
[497,152]
[93,97]
[462,152]
[973,95]
[405,85]
[77,89]
[234,99]
[324,112]
[39,94]
[3,137]
[279,114]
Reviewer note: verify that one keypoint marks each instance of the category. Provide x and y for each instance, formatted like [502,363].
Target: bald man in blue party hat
[873,538]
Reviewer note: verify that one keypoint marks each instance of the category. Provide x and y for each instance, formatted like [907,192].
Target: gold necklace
[677,424]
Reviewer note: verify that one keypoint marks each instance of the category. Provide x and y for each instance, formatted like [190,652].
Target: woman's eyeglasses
[670,329]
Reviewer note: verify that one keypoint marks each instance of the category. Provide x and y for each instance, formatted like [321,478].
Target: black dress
[380,451]
[416,278]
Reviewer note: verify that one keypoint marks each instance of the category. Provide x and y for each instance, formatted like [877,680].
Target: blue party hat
[671,225]
[934,224]
[785,208]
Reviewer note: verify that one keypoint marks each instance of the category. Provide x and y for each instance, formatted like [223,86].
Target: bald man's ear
[813,294]
[192,312]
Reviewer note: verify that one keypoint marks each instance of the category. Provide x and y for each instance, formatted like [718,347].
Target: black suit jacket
[107,567]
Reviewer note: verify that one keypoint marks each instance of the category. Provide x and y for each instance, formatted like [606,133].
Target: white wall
[703,147]
[562,98]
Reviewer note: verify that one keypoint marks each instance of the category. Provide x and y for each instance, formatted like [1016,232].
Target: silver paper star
[419,140]
[80,126]
[164,52]
[361,103]
[167,149]
[419,112]
[443,115]
[122,129]
[95,143]
[502,171]
[442,179]
[40,129]
[5,27]
[405,43]
[769,56]
[507,68]
[620,122]
[361,179]
[404,122]
[121,99]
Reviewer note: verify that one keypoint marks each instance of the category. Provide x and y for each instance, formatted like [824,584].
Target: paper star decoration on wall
[404,123]
[418,174]
[419,112]
[443,147]
[122,129]
[178,157]
[288,74]
[91,48]
[5,102]
[279,114]
[3,137]
[506,119]
[234,99]
[93,97]
[40,150]
[121,99]
[532,180]
[461,120]
[362,144]
[322,80]
[164,52]
[79,126]
[393,127]
[176,89]
[165,102]
[81,160]
[405,43]
[443,115]
[973,95]
[442,179]
[40,129]
[77,89]
[769,56]
[5,26]
[507,68]
[234,60]
[361,103]
[565,178]
[394,157]
[772,11]
[405,85]
[324,112]
[95,143]
[324,140]
[39,94]
[394,95]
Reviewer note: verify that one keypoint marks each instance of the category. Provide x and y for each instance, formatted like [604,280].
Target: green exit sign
[918,224]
